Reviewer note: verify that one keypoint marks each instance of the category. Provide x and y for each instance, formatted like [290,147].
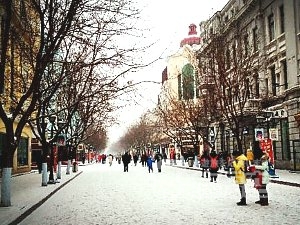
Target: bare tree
[40,40]
[228,76]
[185,120]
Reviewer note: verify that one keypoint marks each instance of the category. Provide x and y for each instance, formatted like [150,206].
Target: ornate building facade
[270,30]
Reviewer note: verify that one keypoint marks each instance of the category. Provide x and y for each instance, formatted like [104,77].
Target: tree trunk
[6,187]
[7,166]
[68,166]
[44,174]
[58,170]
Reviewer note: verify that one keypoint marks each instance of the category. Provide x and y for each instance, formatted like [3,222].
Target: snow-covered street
[106,195]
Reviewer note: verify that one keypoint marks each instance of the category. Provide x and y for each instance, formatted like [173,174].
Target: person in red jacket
[213,166]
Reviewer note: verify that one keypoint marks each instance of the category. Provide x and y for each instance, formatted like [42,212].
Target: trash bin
[190,161]
[75,167]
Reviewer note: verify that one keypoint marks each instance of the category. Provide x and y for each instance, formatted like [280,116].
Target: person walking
[135,158]
[204,163]
[149,163]
[240,177]
[262,179]
[144,159]
[172,155]
[110,159]
[165,157]
[126,158]
[158,158]
[213,166]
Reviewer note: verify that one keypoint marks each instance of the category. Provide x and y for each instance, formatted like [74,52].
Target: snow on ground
[106,195]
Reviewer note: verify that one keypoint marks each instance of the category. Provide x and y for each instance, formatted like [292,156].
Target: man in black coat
[126,158]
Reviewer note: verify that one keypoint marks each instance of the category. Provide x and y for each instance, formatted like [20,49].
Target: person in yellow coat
[240,176]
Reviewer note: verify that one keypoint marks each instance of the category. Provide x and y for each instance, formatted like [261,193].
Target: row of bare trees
[143,133]
[63,59]
[227,80]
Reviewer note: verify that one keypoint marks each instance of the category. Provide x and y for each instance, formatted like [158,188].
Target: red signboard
[267,147]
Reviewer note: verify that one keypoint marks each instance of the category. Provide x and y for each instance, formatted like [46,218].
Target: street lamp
[196,146]
[44,153]
[61,143]
[51,176]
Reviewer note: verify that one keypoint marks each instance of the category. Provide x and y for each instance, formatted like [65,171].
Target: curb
[35,206]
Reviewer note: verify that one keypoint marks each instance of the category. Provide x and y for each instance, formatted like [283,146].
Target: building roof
[193,38]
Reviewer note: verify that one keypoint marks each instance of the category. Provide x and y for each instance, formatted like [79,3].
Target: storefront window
[23,152]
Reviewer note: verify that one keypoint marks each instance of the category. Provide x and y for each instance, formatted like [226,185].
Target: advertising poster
[273,134]
[259,134]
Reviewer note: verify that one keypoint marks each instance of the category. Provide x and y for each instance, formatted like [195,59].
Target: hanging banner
[266,147]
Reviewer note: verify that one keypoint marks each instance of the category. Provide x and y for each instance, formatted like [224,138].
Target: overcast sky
[168,22]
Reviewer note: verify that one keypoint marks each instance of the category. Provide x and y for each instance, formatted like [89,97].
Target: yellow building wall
[26,133]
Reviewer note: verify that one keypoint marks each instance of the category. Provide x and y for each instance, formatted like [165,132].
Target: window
[284,71]
[273,79]
[179,87]
[23,152]
[188,82]
[271,27]
[267,86]
[248,88]
[281,14]
[256,83]
[197,84]
[286,155]
[226,19]
[233,55]
[246,44]
[255,38]
[227,59]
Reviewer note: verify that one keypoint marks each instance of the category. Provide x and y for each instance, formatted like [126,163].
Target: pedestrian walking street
[103,194]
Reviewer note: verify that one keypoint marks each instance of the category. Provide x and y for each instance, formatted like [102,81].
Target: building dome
[192,38]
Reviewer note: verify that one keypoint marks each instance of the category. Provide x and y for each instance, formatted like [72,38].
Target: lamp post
[69,147]
[60,144]
[44,156]
[196,147]
[51,176]
[245,133]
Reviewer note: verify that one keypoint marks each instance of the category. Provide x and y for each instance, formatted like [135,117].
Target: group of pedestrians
[244,168]
[209,162]
[146,160]
[260,175]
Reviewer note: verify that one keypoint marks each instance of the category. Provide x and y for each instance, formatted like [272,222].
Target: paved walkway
[27,193]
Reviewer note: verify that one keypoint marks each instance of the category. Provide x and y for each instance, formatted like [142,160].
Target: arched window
[188,82]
